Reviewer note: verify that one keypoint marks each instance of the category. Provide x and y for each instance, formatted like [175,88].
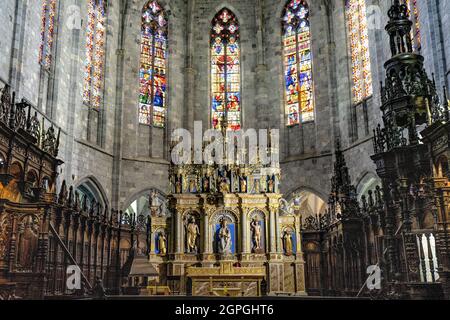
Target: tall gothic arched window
[47,32]
[413,11]
[225,71]
[299,88]
[152,74]
[95,53]
[359,49]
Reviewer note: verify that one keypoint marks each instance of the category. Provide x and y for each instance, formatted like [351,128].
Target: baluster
[430,258]
[423,266]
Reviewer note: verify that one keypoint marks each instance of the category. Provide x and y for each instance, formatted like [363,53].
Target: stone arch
[139,194]
[164,3]
[16,170]
[225,4]
[93,190]
[258,211]
[32,177]
[311,203]
[312,190]
[441,167]
[367,181]
[221,213]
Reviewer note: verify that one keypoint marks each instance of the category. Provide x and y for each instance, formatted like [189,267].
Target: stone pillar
[205,236]
[272,233]
[152,241]
[279,247]
[298,236]
[178,232]
[244,227]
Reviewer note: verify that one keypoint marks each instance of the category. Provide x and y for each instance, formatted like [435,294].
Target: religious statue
[287,243]
[263,185]
[205,184]
[155,204]
[192,186]
[28,241]
[243,185]
[270,188]
[162,243]
[224,238]
[256,186]
[255,227]
[178,186]
[224,186]
[192,233]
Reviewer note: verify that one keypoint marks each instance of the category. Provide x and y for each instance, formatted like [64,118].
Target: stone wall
[127,158]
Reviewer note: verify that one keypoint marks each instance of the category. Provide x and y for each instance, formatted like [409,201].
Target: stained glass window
[95,53]
[413,12]
[152,74]
[47,32]
[299,92]
[359,49]
[225,71]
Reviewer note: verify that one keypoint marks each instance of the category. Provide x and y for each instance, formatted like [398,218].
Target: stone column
[205,236]
[279,247]
[298,238]
[244,227]
[272,233]
[178,232]
[152,241]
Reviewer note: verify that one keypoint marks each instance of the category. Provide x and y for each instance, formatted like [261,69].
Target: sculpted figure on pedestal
[192,233]
[224,238]
[287,242]
[256,234]
[162,243]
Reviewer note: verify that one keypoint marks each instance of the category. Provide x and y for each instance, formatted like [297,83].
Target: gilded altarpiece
[227,243]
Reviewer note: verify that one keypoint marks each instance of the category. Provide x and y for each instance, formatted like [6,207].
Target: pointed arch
[139,201]
[93,190]
[297,57]
[225,71]
[359,50]
[153,66]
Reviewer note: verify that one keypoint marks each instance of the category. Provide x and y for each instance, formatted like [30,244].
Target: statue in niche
[162,243]
[224,238]
[178,185]
[287,242]
[224,186]
[156,205]
[255,227]
[28,238]
[256,186]
[192,186]
[243,185]
[270,188]
[205,184]
[263,185]
[192,233]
